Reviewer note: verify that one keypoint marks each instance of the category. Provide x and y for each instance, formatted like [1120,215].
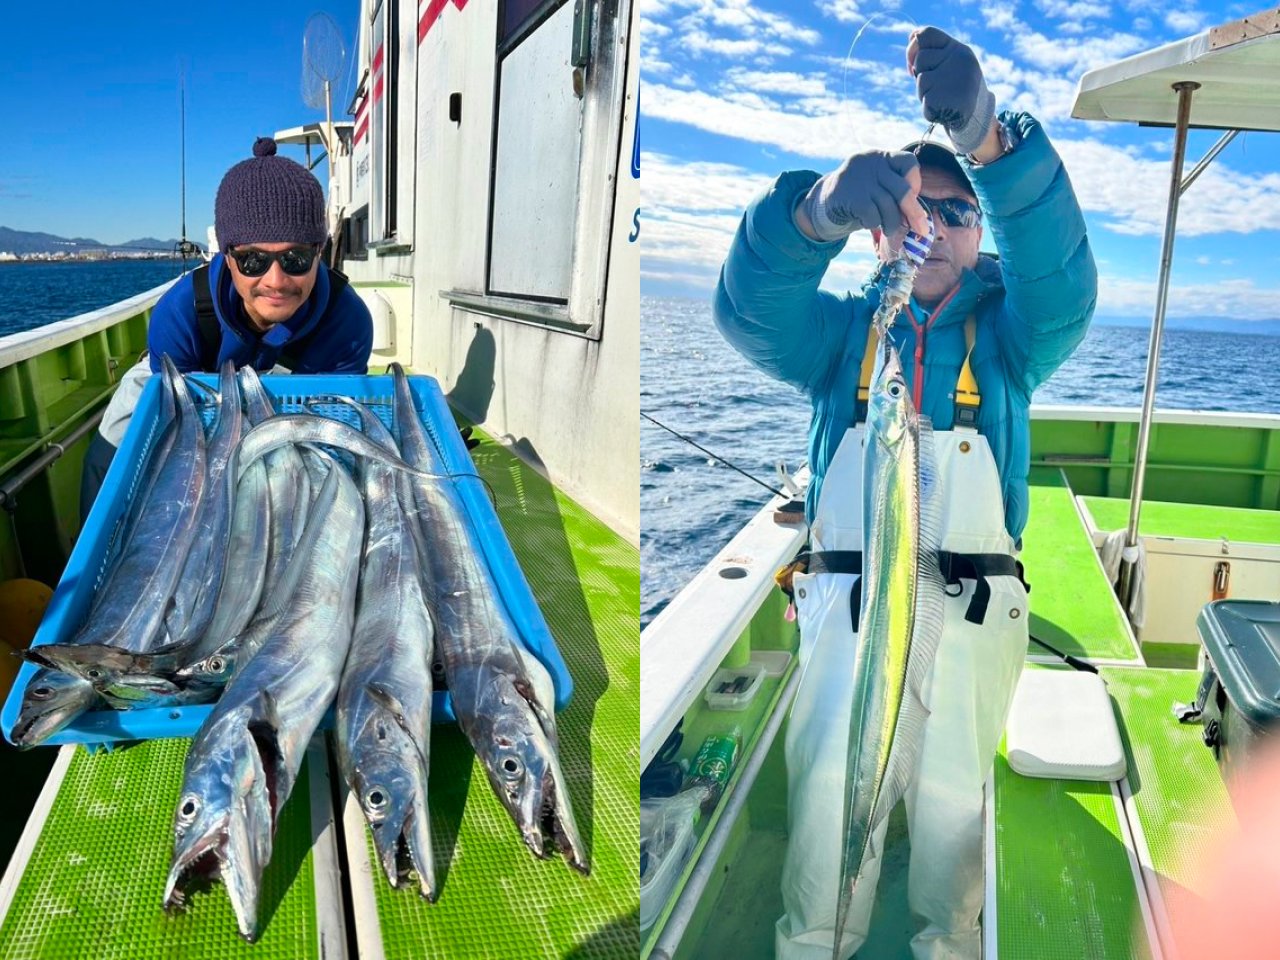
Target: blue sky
[735,91]
[92,144]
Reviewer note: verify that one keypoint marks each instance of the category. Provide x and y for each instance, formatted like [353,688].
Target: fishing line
[776,493]
[844,73]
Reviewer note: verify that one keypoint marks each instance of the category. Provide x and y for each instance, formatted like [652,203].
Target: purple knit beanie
[269,199]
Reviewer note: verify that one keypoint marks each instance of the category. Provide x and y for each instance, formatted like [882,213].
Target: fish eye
[375,800]
[41,693]
[512,768]
[216,665]
[895,389]
[93,673]
[188,809]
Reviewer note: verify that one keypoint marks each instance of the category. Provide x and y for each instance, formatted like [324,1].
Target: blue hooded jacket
[1032,308]
[335,337]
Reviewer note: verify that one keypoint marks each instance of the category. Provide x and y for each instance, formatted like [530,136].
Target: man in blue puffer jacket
[267,300]
[1024,313]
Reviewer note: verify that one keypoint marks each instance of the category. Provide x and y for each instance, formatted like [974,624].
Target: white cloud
[846,11]
[1073,9]
[1075,55]
[1184,21]
[795,84]
[1125,297]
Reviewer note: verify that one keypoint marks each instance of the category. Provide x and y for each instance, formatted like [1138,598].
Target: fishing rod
[185,248]
[716,456]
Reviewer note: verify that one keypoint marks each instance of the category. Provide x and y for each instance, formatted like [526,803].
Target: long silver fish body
[198,588]
[903,594]
[383,732]
[288,481]
[53,697]
[245,758]
[305,428]
[502,696]
[127,615]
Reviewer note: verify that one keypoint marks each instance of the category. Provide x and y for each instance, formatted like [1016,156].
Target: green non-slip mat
[93,885]
[1178,792]
[496,900]
[1072,605]
[1064,886]
[1193,521]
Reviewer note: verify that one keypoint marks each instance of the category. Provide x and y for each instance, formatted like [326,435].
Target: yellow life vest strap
[864,378]
[968,398]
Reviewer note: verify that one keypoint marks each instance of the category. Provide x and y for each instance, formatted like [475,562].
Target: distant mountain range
[25,241]
[1212,324]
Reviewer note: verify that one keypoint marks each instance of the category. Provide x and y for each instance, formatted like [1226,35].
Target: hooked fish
[502,696]
[383,731]
[903,594]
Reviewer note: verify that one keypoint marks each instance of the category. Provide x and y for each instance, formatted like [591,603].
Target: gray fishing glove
[950,86]
[864,194]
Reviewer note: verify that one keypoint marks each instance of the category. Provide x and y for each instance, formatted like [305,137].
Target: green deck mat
[1179,794]
[1192,521]
[1072,605]
[496,900]
[1064,886]
[94,882]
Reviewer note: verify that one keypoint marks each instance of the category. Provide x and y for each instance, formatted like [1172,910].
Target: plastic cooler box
[97,544]
[1239,695]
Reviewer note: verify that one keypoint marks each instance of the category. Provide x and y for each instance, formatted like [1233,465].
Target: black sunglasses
[953,211]
[296,261]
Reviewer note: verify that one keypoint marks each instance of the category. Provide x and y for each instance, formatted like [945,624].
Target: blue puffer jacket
[325,337]
[1032,306]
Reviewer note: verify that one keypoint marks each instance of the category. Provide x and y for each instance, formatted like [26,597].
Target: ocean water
[33,293]
[694,382]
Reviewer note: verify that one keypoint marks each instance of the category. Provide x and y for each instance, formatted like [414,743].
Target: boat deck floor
[1189,521]
[1077,869]
[89,883]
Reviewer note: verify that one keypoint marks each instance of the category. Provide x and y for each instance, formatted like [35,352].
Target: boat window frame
[394,230]
[603,113]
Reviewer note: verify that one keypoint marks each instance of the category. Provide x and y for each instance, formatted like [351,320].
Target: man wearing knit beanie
[266,299]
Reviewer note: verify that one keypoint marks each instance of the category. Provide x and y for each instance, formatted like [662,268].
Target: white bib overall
[968,693]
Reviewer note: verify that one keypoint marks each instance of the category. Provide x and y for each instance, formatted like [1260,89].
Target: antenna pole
[185,247]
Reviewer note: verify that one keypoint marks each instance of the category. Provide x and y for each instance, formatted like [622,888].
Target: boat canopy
[1230,62]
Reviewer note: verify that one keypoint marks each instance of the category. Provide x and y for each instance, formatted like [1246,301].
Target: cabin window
[385,68]
[355,235]
[539,142]
[558,118]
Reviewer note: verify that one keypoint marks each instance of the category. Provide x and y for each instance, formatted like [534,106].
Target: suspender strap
[968,399]
[206,319]
[978,567]
[864,378]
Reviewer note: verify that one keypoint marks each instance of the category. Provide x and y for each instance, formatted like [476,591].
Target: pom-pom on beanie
[269,199]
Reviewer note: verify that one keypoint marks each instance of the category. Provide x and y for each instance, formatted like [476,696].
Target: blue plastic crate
[98,543]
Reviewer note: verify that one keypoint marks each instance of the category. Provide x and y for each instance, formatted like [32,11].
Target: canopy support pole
[1184,90]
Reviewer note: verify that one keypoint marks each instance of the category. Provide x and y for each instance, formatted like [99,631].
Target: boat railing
[17,347]
[687,642]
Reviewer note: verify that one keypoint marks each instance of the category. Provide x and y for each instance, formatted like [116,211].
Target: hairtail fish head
[519,755]
[390,781]
[223,824]
[51,700]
